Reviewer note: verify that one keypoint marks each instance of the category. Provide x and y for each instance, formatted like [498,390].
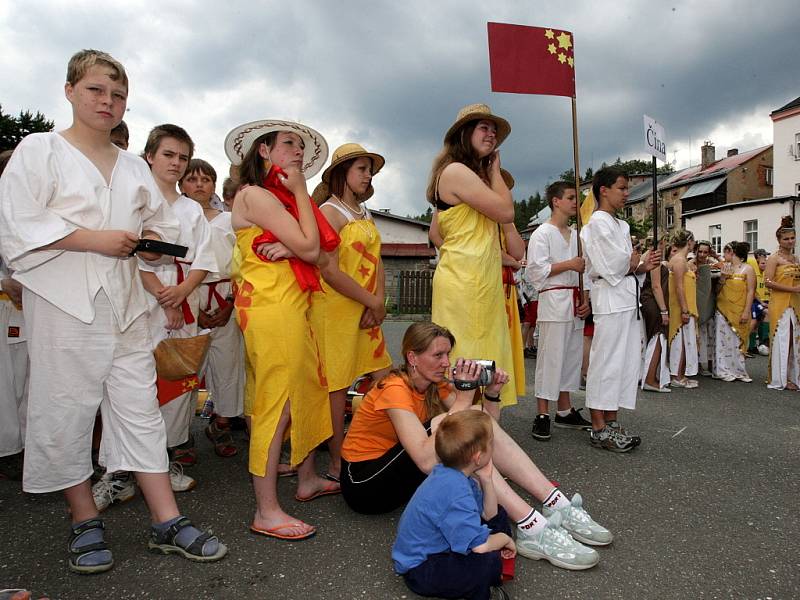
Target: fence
[414,291]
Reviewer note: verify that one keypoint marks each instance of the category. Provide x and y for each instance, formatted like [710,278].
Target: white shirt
[545,248]
[607,243]
[223,239]
[49,190]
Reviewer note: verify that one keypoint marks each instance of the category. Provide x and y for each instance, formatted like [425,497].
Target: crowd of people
[274,296]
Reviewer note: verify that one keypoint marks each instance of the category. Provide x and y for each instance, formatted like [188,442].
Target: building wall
[399,232]
[787,156]
[732,219]
[748,181]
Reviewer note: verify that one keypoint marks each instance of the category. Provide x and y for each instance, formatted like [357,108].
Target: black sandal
[81,553]
[164,542]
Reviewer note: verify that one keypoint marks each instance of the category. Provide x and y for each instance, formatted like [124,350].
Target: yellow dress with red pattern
[347,350]
[283,359]
[514,325]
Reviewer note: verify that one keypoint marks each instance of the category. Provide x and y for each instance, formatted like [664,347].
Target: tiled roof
[418,250]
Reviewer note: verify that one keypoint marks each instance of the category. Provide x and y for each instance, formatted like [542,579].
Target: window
[670,217]
[768,175]
[797,146]
[715,236]
[797,189]
[751,233]
[628,212]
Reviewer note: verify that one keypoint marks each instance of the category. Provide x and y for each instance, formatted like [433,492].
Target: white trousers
[784,360]
[558,363]
[76,368]
[706,342]
[615,361]
[662,372]
[685,341]
[13,383]
[728,357]
[224,369]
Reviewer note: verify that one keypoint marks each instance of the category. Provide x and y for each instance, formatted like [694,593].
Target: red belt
[576,295]
[213,293]
[188,317]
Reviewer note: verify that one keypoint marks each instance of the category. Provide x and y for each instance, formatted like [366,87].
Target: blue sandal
[92,556]
[166,542]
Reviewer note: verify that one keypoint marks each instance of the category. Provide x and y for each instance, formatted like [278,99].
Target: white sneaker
[579,524]
[113,490]
[555,545]
[179,481]
[763,350]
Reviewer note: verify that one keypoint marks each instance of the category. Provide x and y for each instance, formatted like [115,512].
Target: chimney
[707,155]
[733,151]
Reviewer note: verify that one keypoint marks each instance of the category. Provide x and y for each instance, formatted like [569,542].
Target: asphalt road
[705,508]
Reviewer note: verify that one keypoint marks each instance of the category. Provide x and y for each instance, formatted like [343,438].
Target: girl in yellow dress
[735,298]
[279,233]
[467,188]
[682,313]
[350,309]
[782,277]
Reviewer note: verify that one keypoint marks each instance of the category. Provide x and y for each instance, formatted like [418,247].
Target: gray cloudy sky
[392,75]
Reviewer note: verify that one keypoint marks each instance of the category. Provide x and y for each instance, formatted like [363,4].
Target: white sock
[564,413]
[556,500]
[533,524]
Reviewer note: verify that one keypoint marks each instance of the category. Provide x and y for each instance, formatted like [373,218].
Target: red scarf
[307,275]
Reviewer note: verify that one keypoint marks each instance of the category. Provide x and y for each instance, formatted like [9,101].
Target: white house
[786,144]
[752,221]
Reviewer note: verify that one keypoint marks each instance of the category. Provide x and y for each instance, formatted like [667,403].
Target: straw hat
[507,178]
[240,138]
[477,112]
[342,154]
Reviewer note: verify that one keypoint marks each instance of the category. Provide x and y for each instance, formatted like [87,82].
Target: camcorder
[486,375]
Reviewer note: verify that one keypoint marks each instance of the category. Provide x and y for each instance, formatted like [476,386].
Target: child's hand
[113,242]
[274,251]
[174,317]
[172,296]
[509,550]
[484,474]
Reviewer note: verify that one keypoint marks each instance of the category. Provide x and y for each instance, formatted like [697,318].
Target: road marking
[680,431]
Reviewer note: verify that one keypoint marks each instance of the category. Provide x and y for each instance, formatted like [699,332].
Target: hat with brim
[507,178]
[479,112]
[241,138]
[342,154]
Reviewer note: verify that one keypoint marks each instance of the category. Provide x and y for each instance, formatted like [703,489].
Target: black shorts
[382,484]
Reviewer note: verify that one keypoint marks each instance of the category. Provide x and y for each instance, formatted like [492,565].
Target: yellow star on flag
[551,48]
[564,41]
[549,34]
[562,58]
[571,61]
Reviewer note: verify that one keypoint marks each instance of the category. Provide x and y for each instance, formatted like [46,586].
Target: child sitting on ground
[452,534]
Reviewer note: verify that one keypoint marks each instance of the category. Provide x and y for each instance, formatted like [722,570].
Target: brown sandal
[222,440]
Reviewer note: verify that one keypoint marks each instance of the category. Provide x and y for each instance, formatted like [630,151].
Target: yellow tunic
[780,302]
[348,351]
[690,291]
[468,291]
[731,304]
[515,330]
[283,361]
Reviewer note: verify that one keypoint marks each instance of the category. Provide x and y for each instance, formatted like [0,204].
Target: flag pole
[577,186]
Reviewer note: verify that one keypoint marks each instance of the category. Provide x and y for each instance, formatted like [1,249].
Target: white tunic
[547,247]
[50,189]
[195,234]
[607,242]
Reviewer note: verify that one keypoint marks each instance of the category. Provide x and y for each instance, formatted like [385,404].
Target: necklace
[359,213]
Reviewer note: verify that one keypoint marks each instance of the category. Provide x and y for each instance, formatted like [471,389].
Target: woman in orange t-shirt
[389,449]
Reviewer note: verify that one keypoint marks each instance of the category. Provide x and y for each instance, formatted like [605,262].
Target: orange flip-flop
[328,490]
[273,532]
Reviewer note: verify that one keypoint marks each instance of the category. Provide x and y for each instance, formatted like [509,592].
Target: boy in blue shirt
[452,534]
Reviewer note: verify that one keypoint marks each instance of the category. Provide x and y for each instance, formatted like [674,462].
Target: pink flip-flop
[273,531]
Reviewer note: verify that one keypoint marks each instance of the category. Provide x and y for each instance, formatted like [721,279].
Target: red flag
[531,60]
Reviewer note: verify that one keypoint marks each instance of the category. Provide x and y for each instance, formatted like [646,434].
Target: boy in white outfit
[554,268]
[616,354]
[72,209]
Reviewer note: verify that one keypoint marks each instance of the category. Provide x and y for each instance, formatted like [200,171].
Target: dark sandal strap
[196,547]
[82,529]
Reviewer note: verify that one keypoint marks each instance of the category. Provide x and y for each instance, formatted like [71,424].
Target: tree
[14,129]
[640,229]
[427,216]
[525,210]
[569,176]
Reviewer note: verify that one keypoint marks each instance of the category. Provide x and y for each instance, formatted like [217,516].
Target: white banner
[654,138]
